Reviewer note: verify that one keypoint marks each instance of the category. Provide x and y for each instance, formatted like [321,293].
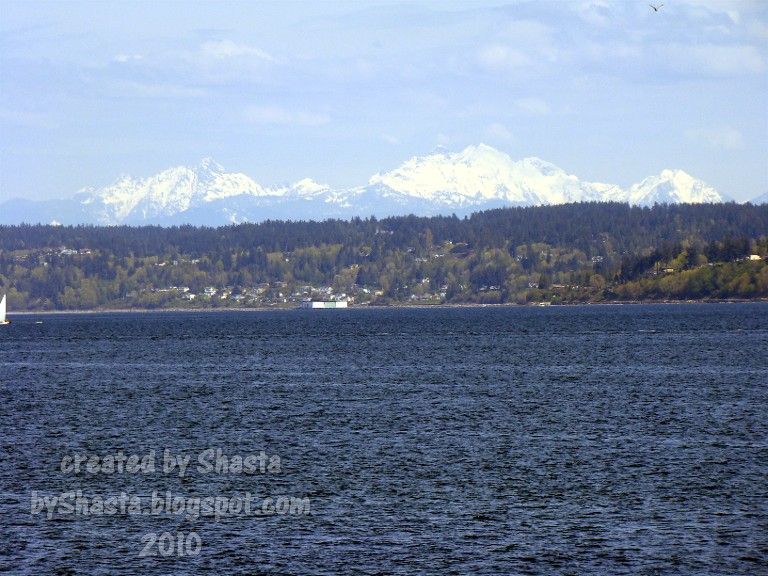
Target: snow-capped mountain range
[477,178]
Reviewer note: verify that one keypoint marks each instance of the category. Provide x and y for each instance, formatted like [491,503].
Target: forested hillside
[569,253]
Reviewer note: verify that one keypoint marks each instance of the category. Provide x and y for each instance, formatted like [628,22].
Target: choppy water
[580,440]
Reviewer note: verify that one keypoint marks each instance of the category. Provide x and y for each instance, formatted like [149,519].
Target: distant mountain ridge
[481,174]
[476,178]
[762,199]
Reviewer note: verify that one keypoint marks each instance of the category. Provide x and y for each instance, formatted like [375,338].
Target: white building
[324,304]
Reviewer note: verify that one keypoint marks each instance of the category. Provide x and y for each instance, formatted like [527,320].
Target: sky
[338,91]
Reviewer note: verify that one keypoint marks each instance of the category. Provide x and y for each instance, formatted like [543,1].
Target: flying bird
[655,8]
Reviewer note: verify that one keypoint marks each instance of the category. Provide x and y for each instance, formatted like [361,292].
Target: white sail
[2,310]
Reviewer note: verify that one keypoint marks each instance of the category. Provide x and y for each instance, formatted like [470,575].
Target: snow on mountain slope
[476,178]
[480,174]
[306,188]
[181,189]
[169,192]
[672,187]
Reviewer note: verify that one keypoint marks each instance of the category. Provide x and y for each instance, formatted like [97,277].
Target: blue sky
[337,91]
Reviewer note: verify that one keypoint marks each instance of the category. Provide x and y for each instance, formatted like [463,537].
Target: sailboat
[3,319]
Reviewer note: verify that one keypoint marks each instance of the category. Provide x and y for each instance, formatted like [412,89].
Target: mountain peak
[542,166]
[210,165]
[483,153]
[677,175]
[478,177]
[481,174]
[671,187]
[308,187]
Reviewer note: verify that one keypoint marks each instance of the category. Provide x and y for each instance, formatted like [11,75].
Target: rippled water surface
[579,440]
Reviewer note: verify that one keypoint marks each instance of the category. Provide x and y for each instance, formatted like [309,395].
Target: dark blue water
[579,440]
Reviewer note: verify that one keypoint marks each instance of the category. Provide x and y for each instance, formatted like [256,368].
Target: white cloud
[619,51]
[125,58]
[278,115]
[500,58]
[499,132]
[734,9]
[596,12]
[158,90]
[724,137]
[527,32]
[15,117]
[389,139]
[758,29]
[714,59]
[219,62]
[425,99]
[519,44]
[532,106]
[227,49]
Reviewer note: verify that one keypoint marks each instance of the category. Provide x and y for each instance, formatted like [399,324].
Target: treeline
[630,228]
[569,253]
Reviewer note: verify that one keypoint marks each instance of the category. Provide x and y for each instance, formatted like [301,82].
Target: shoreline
[378,307]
